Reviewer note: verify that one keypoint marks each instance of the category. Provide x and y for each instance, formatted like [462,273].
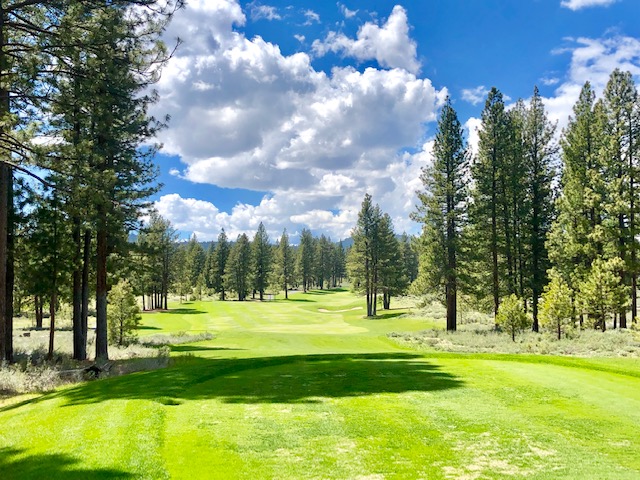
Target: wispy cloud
[580,4]
[346,12]
[312,17]
[266,12]
[550,81]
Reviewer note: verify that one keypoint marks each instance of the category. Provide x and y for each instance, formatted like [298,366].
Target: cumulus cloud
[580,4]
[390,44]
[244,115]
[475,95]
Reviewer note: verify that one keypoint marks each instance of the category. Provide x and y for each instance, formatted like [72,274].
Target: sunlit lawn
[308,388]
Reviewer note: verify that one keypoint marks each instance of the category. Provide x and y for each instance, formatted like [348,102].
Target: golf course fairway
[310,389]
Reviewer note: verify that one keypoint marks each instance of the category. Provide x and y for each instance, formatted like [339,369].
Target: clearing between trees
[284,391]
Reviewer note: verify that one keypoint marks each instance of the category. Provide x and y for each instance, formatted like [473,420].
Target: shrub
[556,309]
[511,316]
[123,314]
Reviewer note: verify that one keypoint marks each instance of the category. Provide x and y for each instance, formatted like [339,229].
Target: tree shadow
[196,348]
[287,379]
[14,464]
[184,311]
[305,300]
[146,327]
[386,316]
[320,292]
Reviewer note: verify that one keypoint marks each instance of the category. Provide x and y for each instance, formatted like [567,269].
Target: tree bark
[10,270]
[84,317]
[52,322]
[77,291]
[101,292]
[5,351]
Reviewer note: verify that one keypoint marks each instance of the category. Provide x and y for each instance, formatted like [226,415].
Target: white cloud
[592,60]
[312,17]
[475,95]
[346,12]
[244,115]
[472,126]
[550,81]
[390,44]
[580,4]
[300,38]
[266,12]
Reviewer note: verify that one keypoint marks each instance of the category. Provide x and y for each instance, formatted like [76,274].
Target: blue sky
[289,112]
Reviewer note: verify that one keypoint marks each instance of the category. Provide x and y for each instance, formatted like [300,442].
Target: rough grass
[286,391]
[34,372]
[586,343]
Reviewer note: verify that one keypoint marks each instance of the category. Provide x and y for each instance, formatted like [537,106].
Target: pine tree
[284,263]
[195,260]
[556,312]
[123,314]
[621,163]
[442,210]
[392,278]
[576,238]
[262,260]
[511,316]
[305,259]
[489,206]
[539,151]
[238,267]
[221,256]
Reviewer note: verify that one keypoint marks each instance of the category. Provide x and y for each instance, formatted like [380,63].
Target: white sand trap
[324,310]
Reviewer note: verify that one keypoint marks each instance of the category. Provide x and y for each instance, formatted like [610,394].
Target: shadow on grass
[196,348]
[285,300]
[184,311]
[287,379]
[14,464]
[146,327]
[387,316]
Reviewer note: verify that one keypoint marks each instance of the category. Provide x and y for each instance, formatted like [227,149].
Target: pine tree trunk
[5,173]
[494,245]
[10,279]
[52,322]
[77,290]
[101,292]
[38,308]
[6,180]
[451,295]
[84,317]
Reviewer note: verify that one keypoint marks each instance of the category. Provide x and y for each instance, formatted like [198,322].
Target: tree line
[378,263]
[553,226]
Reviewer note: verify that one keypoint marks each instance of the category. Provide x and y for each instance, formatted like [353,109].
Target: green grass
[285,390]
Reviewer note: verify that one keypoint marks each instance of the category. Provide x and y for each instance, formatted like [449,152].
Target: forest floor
[308,388]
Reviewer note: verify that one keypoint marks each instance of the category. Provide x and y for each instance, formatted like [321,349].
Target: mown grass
[286,391]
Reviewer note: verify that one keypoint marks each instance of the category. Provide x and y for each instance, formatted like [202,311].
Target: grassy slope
[285,391]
